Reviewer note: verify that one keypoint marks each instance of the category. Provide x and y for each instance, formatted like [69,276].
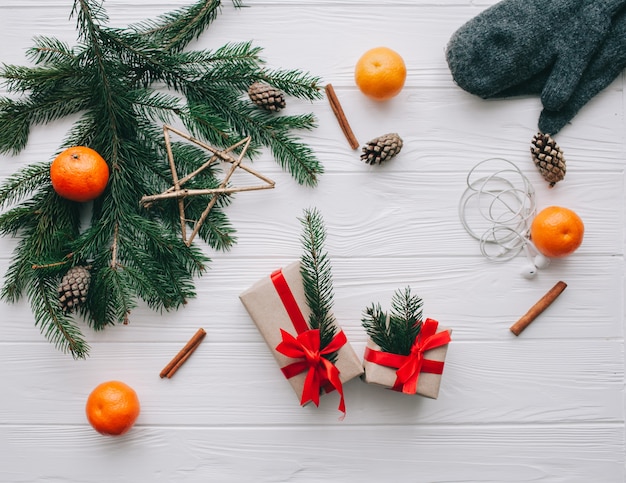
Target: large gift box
[277,305]
[419,372]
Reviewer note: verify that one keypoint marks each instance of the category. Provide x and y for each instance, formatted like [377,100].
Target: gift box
[277,305]
[419,372]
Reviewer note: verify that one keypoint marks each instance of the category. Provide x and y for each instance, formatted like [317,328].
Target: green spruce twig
[317,279]
[395,332]
[123,84]
[174,30]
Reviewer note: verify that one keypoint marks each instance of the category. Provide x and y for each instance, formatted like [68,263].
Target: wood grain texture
[545,406]
[535,381]
[558,453]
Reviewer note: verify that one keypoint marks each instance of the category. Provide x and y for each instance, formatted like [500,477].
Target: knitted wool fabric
[606,65]
[516,40]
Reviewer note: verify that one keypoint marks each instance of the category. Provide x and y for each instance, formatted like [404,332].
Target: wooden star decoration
[176,190]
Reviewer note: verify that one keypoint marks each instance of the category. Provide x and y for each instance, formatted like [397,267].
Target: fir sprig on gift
[123,84]
[317,278]
[396,331]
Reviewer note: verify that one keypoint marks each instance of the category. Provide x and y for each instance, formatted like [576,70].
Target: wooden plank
[480,300]
[402,215]
[529,381]
[448,127]
[575,453]
[545,406]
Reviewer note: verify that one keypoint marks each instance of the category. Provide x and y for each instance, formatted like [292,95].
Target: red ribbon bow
[409,366]
[320,371]
[306,346]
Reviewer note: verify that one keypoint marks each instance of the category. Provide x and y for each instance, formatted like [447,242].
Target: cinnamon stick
[341,117]
[542,304]
[179,359]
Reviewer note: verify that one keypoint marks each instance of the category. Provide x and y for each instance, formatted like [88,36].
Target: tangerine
[380,73]
[79,174]
[112,408]
[556,231]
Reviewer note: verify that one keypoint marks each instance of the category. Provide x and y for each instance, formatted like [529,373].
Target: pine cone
[548,157]
[266,96]
[382,148]
[74,287]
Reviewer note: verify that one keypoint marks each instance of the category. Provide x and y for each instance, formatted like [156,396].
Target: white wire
[505,201]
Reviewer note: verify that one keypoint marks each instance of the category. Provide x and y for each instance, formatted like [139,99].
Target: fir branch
[48,50]
[294,82]
[395,332]
[47,225]
[89,14]
[292,155]
[14,126]
[204,123]
[24,182]
[375,322]
[38,79]
[234,65]
[56,326]
[316,274]
[109,81]
[174,30]
[243,55]
[17,116]
[272,131]
[407,308]
[156,107]
[109,299]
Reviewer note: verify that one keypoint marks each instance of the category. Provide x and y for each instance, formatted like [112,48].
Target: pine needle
[316,274]
[123,84]
[395,332]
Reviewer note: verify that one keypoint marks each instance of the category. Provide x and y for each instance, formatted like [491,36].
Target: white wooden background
[547,406]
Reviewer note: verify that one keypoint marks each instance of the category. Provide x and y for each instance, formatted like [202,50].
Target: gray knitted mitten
[606,65]
[515,41]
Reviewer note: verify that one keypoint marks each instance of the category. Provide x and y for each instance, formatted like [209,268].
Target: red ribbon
[289,301]
[306,347]
[320,371]
[409,366]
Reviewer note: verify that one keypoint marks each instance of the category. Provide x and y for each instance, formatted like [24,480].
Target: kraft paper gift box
[268,311]
[381,367]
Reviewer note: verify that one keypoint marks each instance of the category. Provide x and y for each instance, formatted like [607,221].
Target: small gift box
[419,372]
[277,305]
[413,351]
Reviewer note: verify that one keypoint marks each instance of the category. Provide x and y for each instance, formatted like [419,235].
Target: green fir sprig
[316,272]
[123,84]
[395,332]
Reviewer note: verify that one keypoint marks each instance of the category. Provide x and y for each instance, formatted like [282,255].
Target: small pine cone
[74,287]
[266,96]
[548,157]
[382,148]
